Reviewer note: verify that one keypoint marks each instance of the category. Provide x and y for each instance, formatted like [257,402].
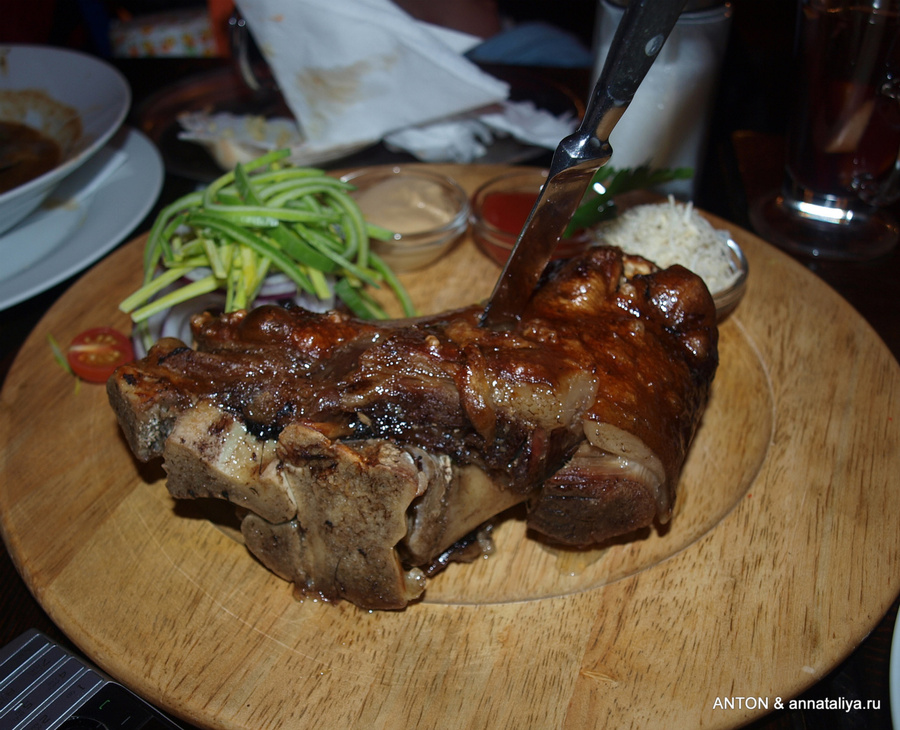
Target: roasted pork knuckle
[359,454]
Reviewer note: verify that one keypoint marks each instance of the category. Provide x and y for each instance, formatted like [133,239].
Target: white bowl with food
[675,233]
[57,108]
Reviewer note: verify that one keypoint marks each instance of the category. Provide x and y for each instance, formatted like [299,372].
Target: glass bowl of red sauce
[500,208]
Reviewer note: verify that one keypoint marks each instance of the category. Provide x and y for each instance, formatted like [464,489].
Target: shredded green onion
[261,217]
[62,360]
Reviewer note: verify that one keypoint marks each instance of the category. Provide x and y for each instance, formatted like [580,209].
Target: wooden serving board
[781,557]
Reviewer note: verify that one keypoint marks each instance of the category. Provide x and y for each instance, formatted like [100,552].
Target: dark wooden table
[744,162]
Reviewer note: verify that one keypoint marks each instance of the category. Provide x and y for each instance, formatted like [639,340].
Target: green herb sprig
[599,202]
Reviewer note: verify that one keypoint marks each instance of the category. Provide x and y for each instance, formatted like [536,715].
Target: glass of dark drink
[843,142]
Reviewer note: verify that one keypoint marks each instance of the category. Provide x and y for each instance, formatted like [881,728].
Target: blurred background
[752,94]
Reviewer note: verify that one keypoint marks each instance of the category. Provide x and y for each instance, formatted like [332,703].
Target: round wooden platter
[781,557]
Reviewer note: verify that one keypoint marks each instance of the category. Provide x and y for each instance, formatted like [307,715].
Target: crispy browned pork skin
[359,453]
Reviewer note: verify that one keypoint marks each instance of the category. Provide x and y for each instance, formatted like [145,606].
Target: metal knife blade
[641,33]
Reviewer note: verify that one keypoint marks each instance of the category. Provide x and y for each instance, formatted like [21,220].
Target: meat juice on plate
[848,124]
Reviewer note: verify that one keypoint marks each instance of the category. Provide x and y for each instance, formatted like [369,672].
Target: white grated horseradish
[673,233]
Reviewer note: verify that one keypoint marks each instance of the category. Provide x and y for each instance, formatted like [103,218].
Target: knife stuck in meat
[641,34]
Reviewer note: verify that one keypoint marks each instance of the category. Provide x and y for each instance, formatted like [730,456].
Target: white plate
[78,224]
[43,87]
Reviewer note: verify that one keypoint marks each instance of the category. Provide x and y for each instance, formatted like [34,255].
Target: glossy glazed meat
[360,453]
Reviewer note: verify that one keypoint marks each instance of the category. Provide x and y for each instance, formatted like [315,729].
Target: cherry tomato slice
[96,353]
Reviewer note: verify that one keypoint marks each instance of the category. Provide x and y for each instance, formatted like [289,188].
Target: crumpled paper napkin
[231,138]
[466,138]
[354,71]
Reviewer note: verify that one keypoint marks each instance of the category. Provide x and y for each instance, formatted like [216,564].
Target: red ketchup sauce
[505,213]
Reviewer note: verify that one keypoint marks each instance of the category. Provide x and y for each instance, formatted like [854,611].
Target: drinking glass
[843,141]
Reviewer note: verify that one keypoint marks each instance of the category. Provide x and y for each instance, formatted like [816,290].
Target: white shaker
[666,124]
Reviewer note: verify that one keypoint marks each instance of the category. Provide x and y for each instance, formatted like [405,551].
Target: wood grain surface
[781,557]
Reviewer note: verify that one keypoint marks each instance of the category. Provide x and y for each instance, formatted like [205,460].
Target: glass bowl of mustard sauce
[425,212]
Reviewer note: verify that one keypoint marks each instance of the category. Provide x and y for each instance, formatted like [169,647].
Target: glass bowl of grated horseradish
[674,233]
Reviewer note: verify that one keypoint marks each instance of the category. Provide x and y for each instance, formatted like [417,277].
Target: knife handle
[641,34]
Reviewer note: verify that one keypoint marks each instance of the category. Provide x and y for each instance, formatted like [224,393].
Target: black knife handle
[641,33]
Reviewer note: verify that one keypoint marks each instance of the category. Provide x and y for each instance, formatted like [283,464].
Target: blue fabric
[533,44]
